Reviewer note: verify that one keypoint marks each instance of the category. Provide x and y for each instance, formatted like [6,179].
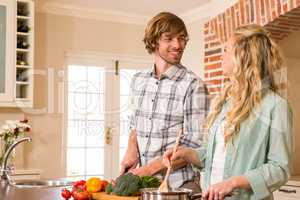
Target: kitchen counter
[294,181]
[51,193]
[12,193]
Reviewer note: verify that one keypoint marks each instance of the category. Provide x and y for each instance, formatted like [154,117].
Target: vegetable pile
[130,184]
[81,190]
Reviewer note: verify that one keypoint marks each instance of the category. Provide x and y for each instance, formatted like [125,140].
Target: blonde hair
[159,24]
[256,57]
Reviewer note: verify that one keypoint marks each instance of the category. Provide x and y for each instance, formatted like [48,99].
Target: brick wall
[280,17]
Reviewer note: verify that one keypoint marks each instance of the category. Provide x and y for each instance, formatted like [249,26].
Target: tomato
[81,195]
[78,183]
[104,183]
[65,193]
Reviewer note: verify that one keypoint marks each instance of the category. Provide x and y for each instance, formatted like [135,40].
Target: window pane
[95,132]
[125,81]
[78,86]
[95,106]
[76,105]
[124,133]
[95,80]
[124,105]
[76,73]
[122,153]
[76,133]
[95,161]
[75,162]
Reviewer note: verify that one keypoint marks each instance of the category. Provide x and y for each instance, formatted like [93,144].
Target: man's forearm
[132,142]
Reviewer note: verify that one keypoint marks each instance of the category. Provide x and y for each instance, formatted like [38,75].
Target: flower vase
[10,161]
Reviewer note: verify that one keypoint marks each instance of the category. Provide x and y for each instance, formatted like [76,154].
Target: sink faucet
[4,169]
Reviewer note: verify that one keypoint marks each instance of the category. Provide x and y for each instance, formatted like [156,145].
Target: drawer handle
[287,190]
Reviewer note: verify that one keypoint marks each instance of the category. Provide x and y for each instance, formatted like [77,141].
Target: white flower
[4,127]
[12,124]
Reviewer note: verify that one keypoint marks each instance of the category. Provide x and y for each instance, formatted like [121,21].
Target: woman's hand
[219,190]
[225,188]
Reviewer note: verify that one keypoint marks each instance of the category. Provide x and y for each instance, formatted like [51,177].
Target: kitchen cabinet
[16,53]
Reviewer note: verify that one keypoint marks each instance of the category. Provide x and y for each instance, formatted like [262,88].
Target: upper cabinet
[16,53]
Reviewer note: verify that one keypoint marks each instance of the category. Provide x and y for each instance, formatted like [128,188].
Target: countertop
[294,181]
[12,193]
[8,192]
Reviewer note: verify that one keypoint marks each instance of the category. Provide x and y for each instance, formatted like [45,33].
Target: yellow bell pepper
[93,185]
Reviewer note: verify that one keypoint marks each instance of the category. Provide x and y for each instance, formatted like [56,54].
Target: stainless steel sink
[41,183]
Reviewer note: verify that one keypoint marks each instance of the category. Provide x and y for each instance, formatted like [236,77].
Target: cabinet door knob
[287,190]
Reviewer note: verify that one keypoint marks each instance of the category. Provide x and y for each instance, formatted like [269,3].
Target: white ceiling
[131,11]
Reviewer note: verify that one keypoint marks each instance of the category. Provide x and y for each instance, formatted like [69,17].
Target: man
[166,99]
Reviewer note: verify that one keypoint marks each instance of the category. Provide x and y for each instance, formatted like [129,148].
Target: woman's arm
[276,171]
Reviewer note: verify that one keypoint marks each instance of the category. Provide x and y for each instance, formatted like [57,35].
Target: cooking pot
[173,194]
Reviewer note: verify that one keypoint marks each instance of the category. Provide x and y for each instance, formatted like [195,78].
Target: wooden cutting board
[104,196]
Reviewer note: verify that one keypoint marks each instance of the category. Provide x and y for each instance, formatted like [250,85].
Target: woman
[249,146]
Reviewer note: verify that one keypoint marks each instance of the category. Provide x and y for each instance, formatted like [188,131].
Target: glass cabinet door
[3,13]
[7,66]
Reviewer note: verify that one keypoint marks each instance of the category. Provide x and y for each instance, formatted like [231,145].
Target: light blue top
[261,151]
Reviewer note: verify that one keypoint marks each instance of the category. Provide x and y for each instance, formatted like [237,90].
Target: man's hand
[127,165]
[130,160]
[142,171]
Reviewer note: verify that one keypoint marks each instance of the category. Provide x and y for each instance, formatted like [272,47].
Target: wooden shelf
[24,66]
[23,34]
[22,83]
[22,99]
[23,17]
[23,50]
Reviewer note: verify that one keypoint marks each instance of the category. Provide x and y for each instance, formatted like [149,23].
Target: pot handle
[196,196]
[199,195]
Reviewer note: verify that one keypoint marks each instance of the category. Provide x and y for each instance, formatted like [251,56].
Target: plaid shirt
[161,107]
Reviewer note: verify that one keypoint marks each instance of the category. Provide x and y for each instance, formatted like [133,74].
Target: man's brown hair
[159,24]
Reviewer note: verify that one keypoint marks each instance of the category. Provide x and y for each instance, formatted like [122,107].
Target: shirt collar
[170,73]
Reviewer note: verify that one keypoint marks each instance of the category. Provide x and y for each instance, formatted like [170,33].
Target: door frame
[112,94]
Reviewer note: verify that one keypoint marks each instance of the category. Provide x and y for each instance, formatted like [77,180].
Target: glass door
[97,120]
[88,119]
[85,121]
[6,50]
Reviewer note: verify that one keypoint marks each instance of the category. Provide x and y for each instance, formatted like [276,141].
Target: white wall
[193,57]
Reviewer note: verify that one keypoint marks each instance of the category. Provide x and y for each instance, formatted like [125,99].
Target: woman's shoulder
[272,99]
